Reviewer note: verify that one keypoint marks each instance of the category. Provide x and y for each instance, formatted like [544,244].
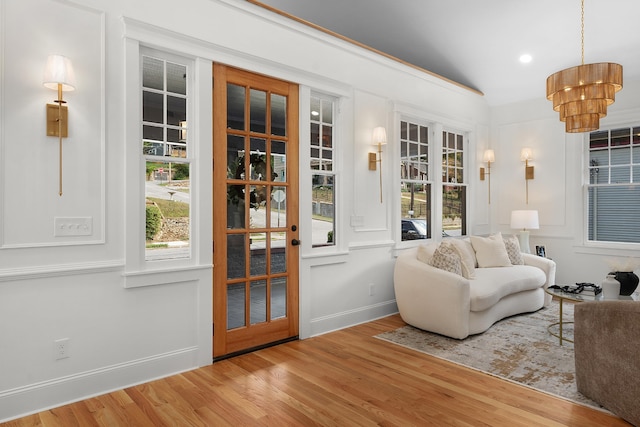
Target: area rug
[518,348]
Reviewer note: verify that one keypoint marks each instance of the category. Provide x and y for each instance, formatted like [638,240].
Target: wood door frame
[279,329]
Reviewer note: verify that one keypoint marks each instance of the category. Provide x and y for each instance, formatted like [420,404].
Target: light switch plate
[73,226]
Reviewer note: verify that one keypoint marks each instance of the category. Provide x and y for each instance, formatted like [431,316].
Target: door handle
[295,242]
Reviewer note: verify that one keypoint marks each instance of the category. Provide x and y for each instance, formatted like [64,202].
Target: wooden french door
[255,210]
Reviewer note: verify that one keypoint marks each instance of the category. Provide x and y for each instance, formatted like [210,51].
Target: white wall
[557,190]
[127,322]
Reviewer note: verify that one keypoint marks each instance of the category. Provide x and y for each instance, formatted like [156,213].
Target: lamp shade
[525,220]
[526,154]
[59,71]
[379,135]
[489,156]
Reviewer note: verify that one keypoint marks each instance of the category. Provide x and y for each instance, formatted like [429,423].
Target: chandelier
[582,94]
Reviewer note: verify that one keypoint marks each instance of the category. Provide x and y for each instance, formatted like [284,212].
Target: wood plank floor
[344,378]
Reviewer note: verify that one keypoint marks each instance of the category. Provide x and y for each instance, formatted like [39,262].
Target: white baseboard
[323,325]
[45,395]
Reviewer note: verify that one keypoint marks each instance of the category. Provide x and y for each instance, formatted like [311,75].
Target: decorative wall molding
[58,270]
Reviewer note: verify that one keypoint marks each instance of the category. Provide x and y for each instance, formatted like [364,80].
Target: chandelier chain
[582,30]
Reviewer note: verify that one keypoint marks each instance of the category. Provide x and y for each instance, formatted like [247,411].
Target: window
[323,177]
[167,158]
[613,192]
[454,189]
[415,186]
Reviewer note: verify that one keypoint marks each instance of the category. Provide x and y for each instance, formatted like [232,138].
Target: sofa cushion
[467,256]
[492,284]
[446,258]
[425,252]
[490,251]
[512,245]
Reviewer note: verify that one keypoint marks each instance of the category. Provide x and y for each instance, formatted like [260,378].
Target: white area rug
[519,349]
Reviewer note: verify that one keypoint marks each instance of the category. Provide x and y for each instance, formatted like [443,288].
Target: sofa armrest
[430,298]
[548,266]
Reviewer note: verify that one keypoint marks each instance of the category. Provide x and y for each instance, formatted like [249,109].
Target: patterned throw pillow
[512,245]
[467,256]
[446,258]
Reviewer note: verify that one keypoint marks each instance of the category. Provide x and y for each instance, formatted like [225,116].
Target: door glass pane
[235,256]
[278,160]
[278,298]
[278,252]
[258,297]
[279,207]
[235,106]
[258,254]
[258,212]
[235,157]
[236,296]
[235,206]
[258,114]
[278,115]
[258,161]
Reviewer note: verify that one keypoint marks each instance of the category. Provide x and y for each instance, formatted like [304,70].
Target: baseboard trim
[37,397]
[345,319]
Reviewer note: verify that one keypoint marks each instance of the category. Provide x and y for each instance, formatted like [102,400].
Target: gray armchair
[607,355]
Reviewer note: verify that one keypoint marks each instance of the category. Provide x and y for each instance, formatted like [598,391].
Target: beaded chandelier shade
[582,94]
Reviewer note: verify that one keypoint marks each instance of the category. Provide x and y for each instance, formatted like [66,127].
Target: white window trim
[199,109]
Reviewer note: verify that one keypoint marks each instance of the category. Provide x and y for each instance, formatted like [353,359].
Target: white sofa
[449,304]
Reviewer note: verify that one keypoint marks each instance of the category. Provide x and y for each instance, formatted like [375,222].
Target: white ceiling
[478,42]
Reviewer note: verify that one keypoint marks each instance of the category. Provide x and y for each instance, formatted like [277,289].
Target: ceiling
[478,43]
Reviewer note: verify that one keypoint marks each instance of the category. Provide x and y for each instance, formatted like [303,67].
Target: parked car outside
[413,229]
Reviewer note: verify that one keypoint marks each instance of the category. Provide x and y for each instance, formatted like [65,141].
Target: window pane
[415,210]
[152,107]
[152,73]
[614,213]
[454,210]
[235,206]
[167,202]
[278,210]
[176,78]
[176,110]
[323,210]
[258,204]
[235,157]
[314,109]
[257,162]
[278,161]
[152,132]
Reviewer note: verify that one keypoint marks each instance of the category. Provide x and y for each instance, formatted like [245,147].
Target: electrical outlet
[372,289]
[61,349]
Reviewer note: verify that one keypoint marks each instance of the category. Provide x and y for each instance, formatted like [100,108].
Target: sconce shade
[379,135]
[489,156]
[525,220]
[526,154]
[59,71]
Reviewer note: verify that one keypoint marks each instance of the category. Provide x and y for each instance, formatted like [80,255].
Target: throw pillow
[446,258]
[512,245]
[490,251]
[467,257]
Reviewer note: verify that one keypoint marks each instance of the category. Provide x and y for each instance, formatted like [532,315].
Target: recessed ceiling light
[526,58]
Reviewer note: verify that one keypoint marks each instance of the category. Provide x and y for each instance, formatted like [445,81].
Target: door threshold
[252,349]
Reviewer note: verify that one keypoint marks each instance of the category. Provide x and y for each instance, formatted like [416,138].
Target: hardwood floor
[338,379]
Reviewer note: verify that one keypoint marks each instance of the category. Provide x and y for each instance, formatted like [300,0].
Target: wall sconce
[379,139]
[524,221]
[58,75]
[525,156]
[489,157]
